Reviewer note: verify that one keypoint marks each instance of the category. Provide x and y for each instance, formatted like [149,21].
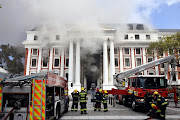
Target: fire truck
[131,90]
[38,96]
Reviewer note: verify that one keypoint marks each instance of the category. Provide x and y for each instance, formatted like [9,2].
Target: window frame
[117,62]
[150,58]
[126,35]
[68,63]
[125,62]
[117,50]
[33,52]
[54,62]
[147,37]
[32,62]
[125,51]
[136,51]
[138,37]
[137,61]
[55,51]
[42,64]
[35,37]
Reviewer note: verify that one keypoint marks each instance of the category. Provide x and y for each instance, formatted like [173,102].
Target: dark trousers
[97,106]
[105,107]
[83,107]
[162,114]
[74,106]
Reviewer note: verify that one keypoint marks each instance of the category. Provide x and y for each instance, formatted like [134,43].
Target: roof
[168,30]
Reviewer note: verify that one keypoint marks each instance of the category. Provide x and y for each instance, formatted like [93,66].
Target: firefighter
[75,96]
[159,105]
[83,95]
[98,97]
[105,98]
[147,100]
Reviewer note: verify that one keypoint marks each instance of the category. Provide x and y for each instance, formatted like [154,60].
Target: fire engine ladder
[118,78]
[37,98]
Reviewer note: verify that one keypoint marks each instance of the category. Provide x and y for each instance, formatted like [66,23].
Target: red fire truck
[132,90]
[38,96]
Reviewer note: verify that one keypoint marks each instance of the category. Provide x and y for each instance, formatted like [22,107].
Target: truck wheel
[124,101]
[66,107]
[58,112]
[133,105]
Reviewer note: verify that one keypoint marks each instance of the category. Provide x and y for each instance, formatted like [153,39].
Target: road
[119,112]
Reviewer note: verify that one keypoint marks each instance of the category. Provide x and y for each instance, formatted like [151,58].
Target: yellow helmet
[156,93]
[75,90]
[100,90]
[82,88]
[153,105]
[105,91]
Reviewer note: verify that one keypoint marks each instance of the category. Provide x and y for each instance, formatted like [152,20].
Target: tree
[12,58]
[169,44]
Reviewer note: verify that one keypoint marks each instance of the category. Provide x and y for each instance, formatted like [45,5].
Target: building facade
[120,50]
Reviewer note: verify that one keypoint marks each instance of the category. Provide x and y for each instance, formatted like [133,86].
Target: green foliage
[12,57]
[167,43]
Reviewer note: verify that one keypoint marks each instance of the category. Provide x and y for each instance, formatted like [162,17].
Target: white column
[121,60]
[51,59]
[156,68]
[39,60]
[112,64]
[132,57]
[70,75]
[28,61]
[62,62]
[77,84]
[105,66]
[144,59]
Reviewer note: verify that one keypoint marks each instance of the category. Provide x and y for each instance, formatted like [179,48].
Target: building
[121,49]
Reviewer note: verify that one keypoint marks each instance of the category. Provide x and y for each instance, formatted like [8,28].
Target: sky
[18,16]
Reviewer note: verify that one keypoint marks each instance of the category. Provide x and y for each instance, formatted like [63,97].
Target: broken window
[57,37]
[136,37]
[126,36]
[148,37]
[56,62]
[138,61]
[127,62]
[138,51]
[35,37]
[34,62]
[140,27]
[116,62]
[130,26]
[126,50]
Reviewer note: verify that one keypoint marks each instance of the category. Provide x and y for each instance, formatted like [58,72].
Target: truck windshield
[151,82]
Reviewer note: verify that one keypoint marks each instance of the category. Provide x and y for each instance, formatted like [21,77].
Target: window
[127,62]
[138,51]
[35,37]
[126,36]
[138,61]
[56,62]
[148,37]
[67,62]
[130,26]
[162,65]
[116,62]
[34,62]
[140,27]
[34,52]
[151,73]
[150,59]
[67,76]
[126,50]
[45,63]
[137,37]
[115,50]
[57,37]
[56,51]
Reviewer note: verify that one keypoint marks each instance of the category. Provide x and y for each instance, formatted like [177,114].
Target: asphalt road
[119,112]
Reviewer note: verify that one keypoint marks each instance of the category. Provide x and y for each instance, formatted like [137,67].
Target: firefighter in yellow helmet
[99,97]
[83,103]
[158,105]
[75,96]
[105,98]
